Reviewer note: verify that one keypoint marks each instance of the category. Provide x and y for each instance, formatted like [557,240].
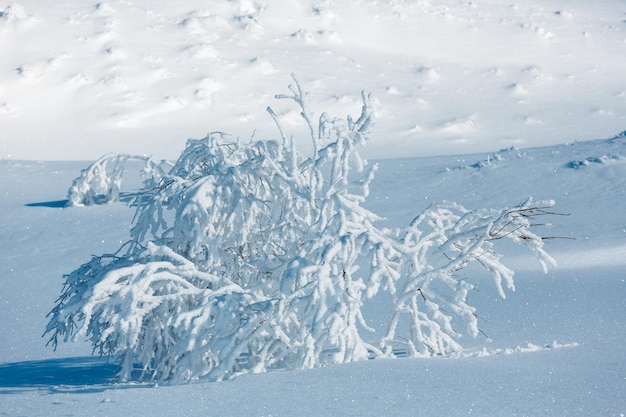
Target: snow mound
[615,156]
[529,348]
[497,158]
[601,159]
[619,137]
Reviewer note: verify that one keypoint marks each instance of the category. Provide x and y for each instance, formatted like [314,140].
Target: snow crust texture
[448,76]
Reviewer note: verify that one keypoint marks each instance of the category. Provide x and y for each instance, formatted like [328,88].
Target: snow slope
[79,79]
[555,346]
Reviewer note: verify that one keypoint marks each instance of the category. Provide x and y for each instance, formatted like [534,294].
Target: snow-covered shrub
[100,182]
[250,257]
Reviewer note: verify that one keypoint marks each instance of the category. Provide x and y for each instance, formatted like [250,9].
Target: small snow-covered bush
[250,257]
[100,182]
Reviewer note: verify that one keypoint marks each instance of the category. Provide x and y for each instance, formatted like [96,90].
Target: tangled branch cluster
[250,257]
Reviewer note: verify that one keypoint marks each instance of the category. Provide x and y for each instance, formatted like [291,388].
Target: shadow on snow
[124,197]
[87,373]
[50,204]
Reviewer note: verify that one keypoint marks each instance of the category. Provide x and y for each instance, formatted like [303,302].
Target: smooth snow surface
[79,79]
[461,79]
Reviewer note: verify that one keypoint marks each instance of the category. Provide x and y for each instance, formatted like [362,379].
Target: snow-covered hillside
[79,79]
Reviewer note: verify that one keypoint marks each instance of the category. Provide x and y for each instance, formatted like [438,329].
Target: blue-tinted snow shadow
[50,204]
[73,374]
[124,197]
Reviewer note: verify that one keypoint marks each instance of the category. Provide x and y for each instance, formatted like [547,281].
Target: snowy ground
[555,348]
[462,79]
